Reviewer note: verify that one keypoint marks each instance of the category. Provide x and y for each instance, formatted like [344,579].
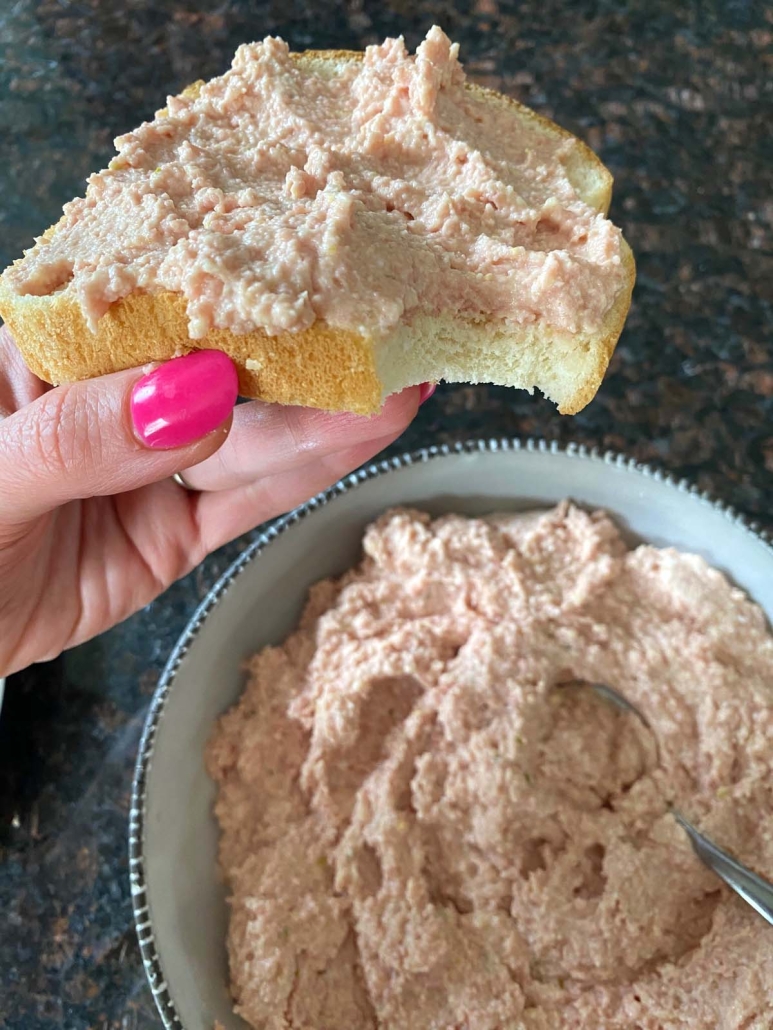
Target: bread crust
[320,367]
[607,341]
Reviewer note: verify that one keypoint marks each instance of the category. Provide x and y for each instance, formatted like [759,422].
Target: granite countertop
[678,101]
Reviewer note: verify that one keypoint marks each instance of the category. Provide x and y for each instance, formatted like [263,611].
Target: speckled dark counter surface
[677,99]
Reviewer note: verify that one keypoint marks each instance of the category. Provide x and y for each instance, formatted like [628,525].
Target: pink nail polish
[425,392]
[184,399]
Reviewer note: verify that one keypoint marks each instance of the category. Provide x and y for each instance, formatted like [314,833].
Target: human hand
[92,527]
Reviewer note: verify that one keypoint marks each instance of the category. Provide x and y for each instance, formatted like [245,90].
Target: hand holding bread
[326,231]
[91,525]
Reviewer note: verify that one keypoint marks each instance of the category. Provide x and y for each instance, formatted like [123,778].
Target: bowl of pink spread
[364,798]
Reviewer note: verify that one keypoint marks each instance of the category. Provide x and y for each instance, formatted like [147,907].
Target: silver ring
[178,478]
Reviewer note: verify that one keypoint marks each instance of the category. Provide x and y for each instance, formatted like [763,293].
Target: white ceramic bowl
[179,904]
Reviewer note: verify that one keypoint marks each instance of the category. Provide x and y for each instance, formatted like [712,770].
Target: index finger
[270,439]
[18,386]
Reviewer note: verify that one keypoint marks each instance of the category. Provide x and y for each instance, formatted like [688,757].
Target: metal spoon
[755,890]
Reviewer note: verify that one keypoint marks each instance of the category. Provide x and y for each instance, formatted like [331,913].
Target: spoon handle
[751,887]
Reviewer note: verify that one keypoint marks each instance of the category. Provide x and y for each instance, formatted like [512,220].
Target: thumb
[115,433]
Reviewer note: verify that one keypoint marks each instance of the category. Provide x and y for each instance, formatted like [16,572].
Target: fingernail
[184,399]
[425,392]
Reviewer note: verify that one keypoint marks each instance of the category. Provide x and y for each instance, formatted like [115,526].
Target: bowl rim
[149,952]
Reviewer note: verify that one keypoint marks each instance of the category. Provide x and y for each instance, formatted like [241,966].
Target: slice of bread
[325,366]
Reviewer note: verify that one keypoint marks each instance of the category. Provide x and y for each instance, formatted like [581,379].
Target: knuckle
[59,432]
[296,427]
